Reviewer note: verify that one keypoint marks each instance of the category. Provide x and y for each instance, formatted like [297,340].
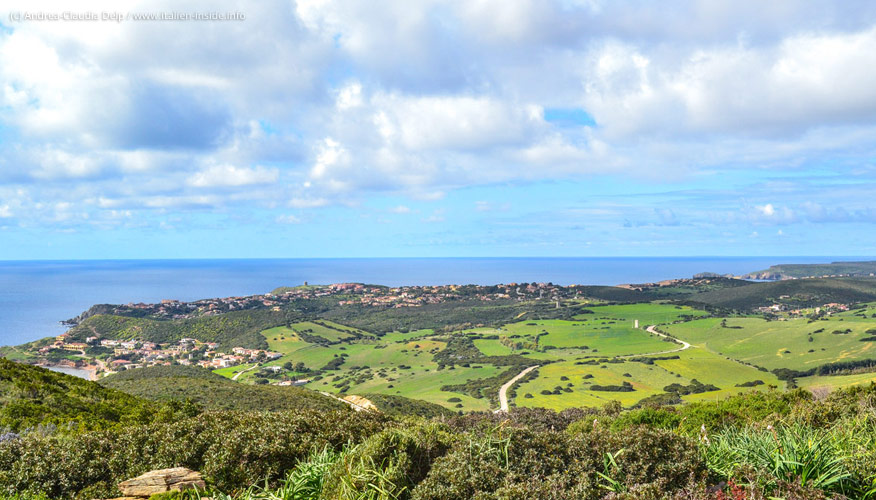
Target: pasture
[729,355]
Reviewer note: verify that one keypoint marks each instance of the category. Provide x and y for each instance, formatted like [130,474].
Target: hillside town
[346,294]
[112,355]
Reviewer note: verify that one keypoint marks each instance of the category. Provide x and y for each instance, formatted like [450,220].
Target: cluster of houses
[413,296]
[351,293]
[62,342]
[827,309]
[139,353]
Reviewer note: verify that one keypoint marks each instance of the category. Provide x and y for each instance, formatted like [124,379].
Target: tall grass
[795,453]
[304,482]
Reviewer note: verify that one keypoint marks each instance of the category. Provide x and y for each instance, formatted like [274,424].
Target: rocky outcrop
[359,403]
[160,481]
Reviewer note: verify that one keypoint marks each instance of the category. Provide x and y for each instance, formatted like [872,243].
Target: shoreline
[91,370]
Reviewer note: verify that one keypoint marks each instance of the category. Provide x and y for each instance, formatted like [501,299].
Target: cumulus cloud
[315,103]
[231,176]
[288,219]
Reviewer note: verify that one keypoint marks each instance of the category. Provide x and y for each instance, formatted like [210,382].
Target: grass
[647,380]
[492,347]
[780,344]
[596,337]
[401,363]
[653,313]
[418,383]
[373,365]
[799,454]
[836,381]
[231,371]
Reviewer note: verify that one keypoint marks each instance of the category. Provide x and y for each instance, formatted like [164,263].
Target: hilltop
[797,271]
[213,392]
[31,396]
[790,293]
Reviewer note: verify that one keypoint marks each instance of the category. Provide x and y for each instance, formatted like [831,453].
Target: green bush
[387,465]
[232,449]
[521,464]
[796,453]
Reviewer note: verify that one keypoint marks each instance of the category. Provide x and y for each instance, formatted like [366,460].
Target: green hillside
[790,271]
[32,396]
[237,328]
[794,293]
[214,392]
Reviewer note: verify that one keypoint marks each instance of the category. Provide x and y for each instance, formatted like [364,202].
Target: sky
[317,128]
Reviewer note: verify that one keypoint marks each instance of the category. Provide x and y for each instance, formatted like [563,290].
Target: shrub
[521,463]
[387,465]
[233,450]
[785,453]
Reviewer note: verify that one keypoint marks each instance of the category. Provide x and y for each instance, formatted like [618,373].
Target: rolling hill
[32,396]
[794,293]
[213,392]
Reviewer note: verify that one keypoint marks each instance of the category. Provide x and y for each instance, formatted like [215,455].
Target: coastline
[69,369]
[34,309]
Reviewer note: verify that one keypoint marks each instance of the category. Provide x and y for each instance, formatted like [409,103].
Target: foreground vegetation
[677,391]
[757,445]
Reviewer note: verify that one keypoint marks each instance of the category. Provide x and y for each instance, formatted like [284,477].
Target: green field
[836,381]
[781,344]
[733,354]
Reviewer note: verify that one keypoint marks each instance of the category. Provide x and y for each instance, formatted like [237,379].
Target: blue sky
[451,128]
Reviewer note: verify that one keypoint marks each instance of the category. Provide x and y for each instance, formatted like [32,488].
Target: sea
[35,296]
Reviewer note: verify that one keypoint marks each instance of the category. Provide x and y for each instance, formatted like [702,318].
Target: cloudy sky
[452,128]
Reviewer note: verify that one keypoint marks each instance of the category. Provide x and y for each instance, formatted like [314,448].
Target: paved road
[503,392]
[652,329]
[253,367]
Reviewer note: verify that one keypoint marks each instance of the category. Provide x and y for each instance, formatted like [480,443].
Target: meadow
[795,343]
[592,359]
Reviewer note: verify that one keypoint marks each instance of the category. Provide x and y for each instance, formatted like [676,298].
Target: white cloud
[288,219]
[767,210]
[347,100]
[231,176]
[454,122]
[804,81]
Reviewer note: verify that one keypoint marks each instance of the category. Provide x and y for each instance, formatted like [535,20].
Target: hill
[213,392]
[32,396]
[793,293]
[399,405]
[237,328]
[834,269]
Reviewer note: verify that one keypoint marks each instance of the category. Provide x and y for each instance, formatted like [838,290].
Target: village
[348,294]
[112,355]
[783,311]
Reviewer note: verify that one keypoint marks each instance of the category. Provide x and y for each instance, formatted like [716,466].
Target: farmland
[795,344]
[595,357]
[455,346]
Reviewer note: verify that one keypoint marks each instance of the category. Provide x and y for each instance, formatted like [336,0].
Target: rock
[161,481]
[359,403]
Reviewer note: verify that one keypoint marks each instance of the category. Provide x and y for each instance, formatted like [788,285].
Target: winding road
[253,367]
[653,329]
[503,392]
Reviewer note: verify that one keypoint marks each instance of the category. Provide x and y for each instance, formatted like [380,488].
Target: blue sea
[36,295]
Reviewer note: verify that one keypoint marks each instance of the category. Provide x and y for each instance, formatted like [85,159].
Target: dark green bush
[521,463]
[394,460]
[232,449]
